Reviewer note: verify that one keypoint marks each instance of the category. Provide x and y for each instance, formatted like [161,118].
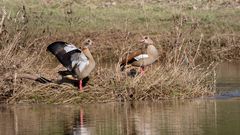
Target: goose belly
[87,70]
[144,62]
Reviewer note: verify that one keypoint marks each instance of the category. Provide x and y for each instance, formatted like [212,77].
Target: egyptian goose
[79,62]
[143,57]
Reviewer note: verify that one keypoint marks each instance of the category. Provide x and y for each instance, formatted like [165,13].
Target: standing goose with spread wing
[79,62]
[143,57]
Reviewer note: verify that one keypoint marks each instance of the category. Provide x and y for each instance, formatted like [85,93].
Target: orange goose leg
[81,117]
[80,85]
[142,70]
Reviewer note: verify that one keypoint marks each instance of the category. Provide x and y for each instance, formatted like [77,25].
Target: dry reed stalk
[200,41]
[2,20]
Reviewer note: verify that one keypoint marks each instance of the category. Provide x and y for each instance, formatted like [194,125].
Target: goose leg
[80,85]
[142,70]
[81,118]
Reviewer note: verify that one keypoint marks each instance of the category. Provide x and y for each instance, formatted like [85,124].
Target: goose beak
[142,41]
[91,45]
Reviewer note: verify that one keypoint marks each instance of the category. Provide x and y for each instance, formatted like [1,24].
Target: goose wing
[141,56]
[80,61]
[64,53]
[130,57]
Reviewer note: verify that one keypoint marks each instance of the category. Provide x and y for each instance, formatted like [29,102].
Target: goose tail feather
[43,80]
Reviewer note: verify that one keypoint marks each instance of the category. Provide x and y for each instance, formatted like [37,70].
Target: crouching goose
[143,57]
[79,62]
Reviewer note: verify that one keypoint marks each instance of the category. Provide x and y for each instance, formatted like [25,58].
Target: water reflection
[228,79]
[169,117]
[210,116]
[80,124]
[228,73]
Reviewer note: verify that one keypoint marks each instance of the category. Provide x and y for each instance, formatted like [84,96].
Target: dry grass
[189,46]
[171,77]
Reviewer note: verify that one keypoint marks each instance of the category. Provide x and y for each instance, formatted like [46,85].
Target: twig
[14,82]
[2,20]
[200,41]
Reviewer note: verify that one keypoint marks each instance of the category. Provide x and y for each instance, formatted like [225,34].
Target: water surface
[228,79]
[213,117]
[219,115]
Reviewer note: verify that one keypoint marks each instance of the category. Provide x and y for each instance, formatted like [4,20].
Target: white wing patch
[83,57]
[70,47]
[141,56]
[81,62]
[82,65]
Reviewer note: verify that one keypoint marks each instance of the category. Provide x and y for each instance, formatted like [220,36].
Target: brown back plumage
[130,56]
[149,49]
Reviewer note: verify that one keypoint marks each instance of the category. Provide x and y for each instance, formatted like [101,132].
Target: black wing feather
[57,49]
[129,62]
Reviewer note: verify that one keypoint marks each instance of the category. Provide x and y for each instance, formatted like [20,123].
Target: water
[211,116]
[228,79]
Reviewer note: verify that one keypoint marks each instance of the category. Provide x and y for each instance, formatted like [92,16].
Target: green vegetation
[128,16]
[191,37]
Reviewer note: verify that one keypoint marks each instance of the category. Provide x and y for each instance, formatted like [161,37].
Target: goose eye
[146,38]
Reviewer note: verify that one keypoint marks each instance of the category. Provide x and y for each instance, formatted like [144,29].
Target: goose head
[146,40]
[88,42]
